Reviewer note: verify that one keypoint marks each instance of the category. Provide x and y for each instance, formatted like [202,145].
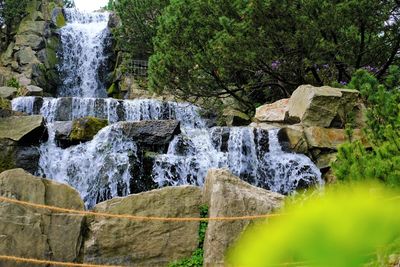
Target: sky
[90,5]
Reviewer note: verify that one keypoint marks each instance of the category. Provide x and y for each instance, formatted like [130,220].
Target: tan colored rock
[325,160]
[318,137]
[144,243]
[32,40]
[292,138]
[275,112]
[26,56]
[38,233]
[17,128]
[267,125]
[33,90]
[314,106]
[227,196]
[8,92]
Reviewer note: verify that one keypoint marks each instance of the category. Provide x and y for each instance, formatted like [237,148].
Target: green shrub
[382,161]
[13,82]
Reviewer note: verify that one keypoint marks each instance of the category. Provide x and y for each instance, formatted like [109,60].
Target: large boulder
[32,40]
[84,129]
[8,92]
[325,138]
[33,90]
[156,133]
[14,155]
[275,112]
[145,243]
[24,129]
[38,233]
[314,106]
[227,196]
[292,139]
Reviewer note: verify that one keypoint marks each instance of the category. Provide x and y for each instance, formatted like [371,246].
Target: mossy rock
[84,129]
[5,103]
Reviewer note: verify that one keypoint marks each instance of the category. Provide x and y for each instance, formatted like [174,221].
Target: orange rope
[134,217]
[71,264]
[56,263]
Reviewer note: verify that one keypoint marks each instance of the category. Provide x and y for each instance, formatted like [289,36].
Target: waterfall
[83,42]
[112,165]
[98,169]
[102,168]
[285,172]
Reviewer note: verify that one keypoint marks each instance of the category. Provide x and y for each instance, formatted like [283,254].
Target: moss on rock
[84,129]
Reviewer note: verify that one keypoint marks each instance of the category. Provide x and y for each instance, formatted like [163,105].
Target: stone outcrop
[18,137]
[37,233]
[275,112]
[84,129]
[312,121]
[22,128]
[292,138]
[144,243]
[318,137]
[31,55]
[155,133]
[228,196]
[314,106]
[8,92]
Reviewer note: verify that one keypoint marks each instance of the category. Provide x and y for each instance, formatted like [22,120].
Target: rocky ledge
[42,234]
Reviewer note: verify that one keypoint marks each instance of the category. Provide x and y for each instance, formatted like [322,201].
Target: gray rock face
[62,129]
[32,40]
[314,106]
[26,56]
[33,90]
[151,133]
[14,155]
[35,233]
[8,92]
[23,128]
[143,243]
[227,196]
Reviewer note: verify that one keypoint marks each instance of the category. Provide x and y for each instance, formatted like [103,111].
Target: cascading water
[101,169]
[108,165]
[98,169]
[83,42]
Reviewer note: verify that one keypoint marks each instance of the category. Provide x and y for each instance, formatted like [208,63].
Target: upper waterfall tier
[82,57]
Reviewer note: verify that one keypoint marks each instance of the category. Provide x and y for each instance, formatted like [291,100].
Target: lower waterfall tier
[115,163]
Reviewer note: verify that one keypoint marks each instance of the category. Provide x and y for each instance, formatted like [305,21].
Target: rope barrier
[134,217]
[72,264]
[55,263]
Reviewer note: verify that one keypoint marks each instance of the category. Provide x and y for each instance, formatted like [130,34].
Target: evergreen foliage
[261,50]
[382,161]
[11,13]
[139,22]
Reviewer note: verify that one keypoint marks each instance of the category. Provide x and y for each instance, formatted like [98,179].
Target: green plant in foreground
[349,225]
[197,257]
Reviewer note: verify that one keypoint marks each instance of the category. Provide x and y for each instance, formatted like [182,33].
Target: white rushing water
[102,168]
[83,41]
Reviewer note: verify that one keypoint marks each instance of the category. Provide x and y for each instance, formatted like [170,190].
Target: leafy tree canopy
[261,50]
